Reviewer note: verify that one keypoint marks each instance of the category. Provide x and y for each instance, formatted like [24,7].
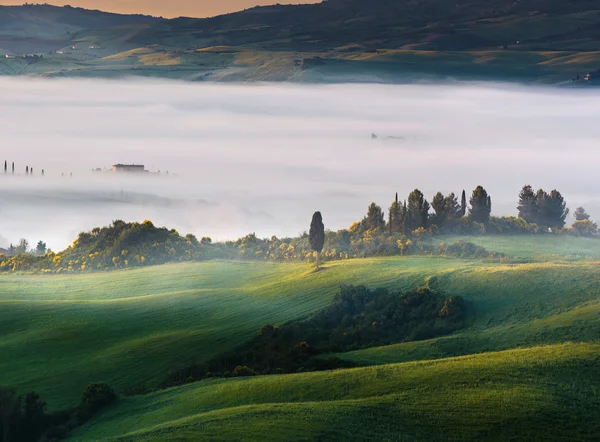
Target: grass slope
[59,333]
[543,393]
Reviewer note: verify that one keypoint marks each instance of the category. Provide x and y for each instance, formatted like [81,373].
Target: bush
[95,397]
[585,228]
[242,370]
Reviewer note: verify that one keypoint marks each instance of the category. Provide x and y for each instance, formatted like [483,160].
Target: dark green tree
[13,168]
[396,223]
[418,210]
[528,209]
[316,235]
[5,167]
[375,218]
[41,248]
[463,204]
[438,204]
[481,206]
[552,209]
[452,208]
[580,214]
[34,417]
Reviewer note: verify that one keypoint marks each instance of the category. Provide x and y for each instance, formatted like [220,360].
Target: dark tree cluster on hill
[25,419]
[542,208]
[358,318]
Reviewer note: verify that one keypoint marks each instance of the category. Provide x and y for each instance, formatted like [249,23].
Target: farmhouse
[128,168]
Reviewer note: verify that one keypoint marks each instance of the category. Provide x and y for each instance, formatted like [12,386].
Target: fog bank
[263,158]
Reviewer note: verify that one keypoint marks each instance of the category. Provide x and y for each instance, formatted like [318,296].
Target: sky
[170,8]
[263,157]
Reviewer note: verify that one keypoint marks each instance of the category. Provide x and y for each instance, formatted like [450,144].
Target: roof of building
[128,165]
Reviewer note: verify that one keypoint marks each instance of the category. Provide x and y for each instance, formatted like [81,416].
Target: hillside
[43,28]
[541,393]
[132,327]
[336,40]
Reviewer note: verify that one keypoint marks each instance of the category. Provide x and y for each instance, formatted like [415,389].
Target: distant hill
[41,28]
[385,40]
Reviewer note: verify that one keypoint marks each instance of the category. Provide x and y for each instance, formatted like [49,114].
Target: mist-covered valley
[262,158]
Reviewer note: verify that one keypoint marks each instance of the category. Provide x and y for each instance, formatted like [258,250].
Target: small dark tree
[481,206]
[316,235]
[580,214]
[34,417]
[452,208]
[5,167]
[95,397]
[41,248]
[13,168]
[375,218]
[396,219]
[26,170]
[528,209]
[463,204]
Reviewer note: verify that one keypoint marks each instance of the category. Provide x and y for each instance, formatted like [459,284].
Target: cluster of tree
[23,248]
[542,208]
[409,224]
[25,419]
[358,318]
[28,169]
[120,245]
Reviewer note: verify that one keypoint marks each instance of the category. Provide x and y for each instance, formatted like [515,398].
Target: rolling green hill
[60,333]
[335,40]
[540,393]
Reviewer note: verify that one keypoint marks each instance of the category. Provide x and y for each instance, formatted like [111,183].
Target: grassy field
[543,393]
[60,333]
[540,247]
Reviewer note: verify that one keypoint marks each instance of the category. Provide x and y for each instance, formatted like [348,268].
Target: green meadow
[542,393]
[526,365]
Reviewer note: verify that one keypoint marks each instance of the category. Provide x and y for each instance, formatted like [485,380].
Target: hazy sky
[263,158]
[168,8]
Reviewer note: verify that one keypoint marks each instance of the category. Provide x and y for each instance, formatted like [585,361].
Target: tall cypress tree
[5,167]
[394,215]
[316,235]
[481,206]
[463,204]
[13,168]
[528,208]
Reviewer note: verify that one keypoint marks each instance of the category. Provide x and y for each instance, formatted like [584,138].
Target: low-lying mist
[263,158]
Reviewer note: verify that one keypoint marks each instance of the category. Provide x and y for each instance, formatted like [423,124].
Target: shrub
[243,370]
[95,397]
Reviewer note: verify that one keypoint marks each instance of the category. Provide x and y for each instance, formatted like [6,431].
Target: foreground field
[60,333]
[543,393]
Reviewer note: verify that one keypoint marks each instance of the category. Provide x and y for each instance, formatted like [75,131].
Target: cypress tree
[481,206]
[528,208]
[26,170]
[13,168]
[5,167]
[463,204]
[316,235]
